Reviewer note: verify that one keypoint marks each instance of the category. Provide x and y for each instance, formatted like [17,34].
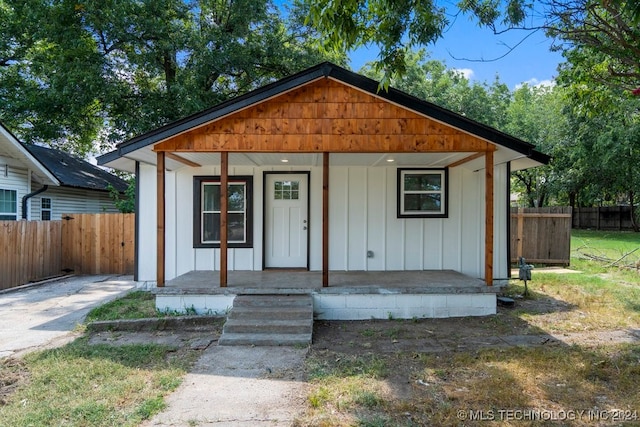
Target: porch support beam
[488,226]
[466,159]
[325,220]
[160,202]
[182,160]
[224,199]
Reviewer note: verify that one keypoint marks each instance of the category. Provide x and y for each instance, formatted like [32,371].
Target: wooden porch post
[325,220]
[160,202]
[224,199]
[488,226]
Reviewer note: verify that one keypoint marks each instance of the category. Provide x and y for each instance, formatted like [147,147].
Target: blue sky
[472,49]
[467,47]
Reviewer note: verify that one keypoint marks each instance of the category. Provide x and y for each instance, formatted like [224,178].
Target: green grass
[134,305]
[605,244]
[94,385]
[352,389]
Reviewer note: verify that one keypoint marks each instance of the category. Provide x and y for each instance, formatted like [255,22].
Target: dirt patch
[13,373]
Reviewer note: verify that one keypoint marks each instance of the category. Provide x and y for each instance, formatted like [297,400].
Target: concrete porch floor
[340,282]
[353,295]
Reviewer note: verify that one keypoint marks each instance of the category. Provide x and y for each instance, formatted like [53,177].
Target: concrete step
[266,320]
[264,339]
[273,301]
[270,313]
[270,326]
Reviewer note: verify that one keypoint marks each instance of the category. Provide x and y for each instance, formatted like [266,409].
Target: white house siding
[17,179]
[362,218]
[66,200]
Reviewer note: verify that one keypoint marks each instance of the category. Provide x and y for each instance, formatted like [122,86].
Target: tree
[398,26]
[75,72]
[605,123]
[536,116]
[603,35]
[610,27]
[432,81]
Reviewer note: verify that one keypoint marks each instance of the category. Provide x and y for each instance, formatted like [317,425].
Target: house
[39,183]
[324,173]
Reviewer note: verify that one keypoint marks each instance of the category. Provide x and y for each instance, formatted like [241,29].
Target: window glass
[45,209]
[207,225]
[422,193]
[286,190]
[8,205]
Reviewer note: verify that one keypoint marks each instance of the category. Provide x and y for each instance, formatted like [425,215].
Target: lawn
[375,374]
[90,385]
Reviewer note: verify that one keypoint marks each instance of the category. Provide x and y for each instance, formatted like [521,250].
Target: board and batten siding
[362,218]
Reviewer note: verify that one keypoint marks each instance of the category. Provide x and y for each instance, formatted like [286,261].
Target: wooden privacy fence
[98,243]
[541,235]
[603,218]
[29,251]
[80,243]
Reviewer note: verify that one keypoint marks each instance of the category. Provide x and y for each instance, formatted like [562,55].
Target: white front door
[286,220]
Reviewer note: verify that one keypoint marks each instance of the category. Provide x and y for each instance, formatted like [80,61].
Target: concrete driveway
[45,315]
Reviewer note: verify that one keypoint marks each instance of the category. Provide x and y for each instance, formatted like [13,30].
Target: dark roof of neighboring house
[74,172]
[326,69]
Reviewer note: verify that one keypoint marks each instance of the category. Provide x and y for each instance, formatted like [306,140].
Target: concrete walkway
[239,386]
[45,315]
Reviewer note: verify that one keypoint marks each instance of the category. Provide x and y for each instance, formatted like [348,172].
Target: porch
[353,295]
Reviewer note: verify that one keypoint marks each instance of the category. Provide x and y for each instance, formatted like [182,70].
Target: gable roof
[11,146]
[326,70]
[74,172]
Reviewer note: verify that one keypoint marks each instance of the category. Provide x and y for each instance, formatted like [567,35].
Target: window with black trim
[45,209]
[422,193]
[206,208]
[8,205]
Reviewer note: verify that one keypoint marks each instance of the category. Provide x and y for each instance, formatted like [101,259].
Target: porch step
[269,320]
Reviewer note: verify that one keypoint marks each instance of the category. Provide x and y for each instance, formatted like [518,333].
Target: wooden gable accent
[325,116]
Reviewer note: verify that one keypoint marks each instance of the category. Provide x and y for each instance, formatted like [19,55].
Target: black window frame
[444,213]
[197,210]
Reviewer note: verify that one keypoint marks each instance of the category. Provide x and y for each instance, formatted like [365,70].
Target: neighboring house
[326,172]
[38,183]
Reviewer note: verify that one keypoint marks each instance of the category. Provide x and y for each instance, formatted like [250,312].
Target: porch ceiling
[433,160]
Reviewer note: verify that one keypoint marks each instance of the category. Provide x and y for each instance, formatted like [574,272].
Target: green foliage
[601,37]
[432,81]
[77,74]
[124,203]
[398,26]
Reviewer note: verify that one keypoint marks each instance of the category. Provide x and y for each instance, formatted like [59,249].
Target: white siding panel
[147,218]
[501,216]
[414,243]
[171,217]
[362,217]
[376,218]
[432,253]
[206,259]
[16,179]
[338,209]
[185,255]
[315,220]
[357,219]
[394,227]
[472,222]
[65,200]
[451,235]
